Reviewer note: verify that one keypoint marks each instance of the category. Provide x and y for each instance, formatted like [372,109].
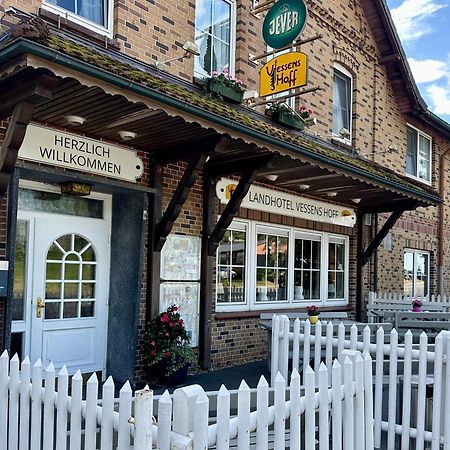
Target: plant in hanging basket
[284,115]
[224,86]
[166,350]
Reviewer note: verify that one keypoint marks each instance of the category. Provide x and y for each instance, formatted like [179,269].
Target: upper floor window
[418,155]
[342,103]
[214,34]
[93,14]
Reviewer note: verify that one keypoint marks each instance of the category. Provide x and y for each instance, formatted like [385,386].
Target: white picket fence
[36,415]
[399,297]
[401,373]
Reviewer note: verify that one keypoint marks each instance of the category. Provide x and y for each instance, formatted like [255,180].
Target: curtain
[92,10]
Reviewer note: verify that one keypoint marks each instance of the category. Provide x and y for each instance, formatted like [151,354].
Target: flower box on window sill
[289,120]
[226,92]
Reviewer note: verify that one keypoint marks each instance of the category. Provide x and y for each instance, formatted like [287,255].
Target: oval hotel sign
[284,22]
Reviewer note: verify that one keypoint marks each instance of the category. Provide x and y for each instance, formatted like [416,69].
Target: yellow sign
[287,71]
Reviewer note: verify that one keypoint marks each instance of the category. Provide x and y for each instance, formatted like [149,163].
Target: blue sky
[424,29]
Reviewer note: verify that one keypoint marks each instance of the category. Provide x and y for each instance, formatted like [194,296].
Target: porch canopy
[46,75]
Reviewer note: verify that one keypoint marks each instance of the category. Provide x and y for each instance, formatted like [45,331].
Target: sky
[424,29]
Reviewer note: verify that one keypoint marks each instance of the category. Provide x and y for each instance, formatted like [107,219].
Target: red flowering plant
[166,343]
[312,310]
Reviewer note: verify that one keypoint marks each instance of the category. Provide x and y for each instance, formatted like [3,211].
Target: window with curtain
[231,267]
[95,11]
[418,155]
[260,266]
[416,273]
[342,101]
[214,30]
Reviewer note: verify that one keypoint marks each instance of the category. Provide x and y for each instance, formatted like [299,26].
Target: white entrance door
[67,289]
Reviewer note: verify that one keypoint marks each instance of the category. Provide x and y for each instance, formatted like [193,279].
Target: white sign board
[268,200]
[59,148]
[186,296]
[180,258]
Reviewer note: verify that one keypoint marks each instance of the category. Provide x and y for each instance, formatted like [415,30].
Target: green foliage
[166,342]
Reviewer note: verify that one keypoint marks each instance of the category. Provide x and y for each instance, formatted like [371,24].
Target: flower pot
[313,319]
[288,119]
[224,91]
[174,378]
[417,308]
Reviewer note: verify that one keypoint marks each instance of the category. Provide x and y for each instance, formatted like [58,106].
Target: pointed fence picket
[403,376]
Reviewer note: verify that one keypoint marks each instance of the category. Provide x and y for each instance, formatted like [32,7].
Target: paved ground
[231,377]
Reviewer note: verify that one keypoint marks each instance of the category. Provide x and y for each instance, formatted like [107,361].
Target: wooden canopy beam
[190,150]
[165,225]
[238,165]
[33,90]
[230,210]
[378,239]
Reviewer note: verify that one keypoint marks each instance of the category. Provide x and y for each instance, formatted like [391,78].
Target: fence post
[4,362]
[184,400]
[348,405]
[49,407]
[274,368]
[368,400]
[295,414]
[323,407]
[223,419]
[437,392]
[284,353]
[36,405]
[200,422]
[336,405]
[14,383]
[310,406]
[279,419]
[143,419]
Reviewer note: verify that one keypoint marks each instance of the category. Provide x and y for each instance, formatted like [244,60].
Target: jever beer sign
[284,22]
[287,71]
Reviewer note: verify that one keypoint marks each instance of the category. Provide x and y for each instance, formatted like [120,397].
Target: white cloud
[440,99]
[411,18]
[428,70]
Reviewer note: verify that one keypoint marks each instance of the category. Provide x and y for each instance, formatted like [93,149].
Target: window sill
[256,313]
[420,180]
[66,23]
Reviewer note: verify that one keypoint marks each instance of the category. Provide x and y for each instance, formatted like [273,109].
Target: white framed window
[416,273]
[96,15]
[418,155]
[215,34]
[231,263]
[260,266]
[342,102]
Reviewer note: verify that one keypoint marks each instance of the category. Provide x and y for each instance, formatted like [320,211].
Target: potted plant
[283,114]
[417,305]
[223,85]
[167,354]
[313,313]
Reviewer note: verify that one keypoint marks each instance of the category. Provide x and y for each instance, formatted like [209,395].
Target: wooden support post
[180,196]
[231,209]
[378,239]
[359,265]
[153,258]
[206,274]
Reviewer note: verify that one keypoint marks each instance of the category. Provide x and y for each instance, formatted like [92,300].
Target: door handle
[40,306]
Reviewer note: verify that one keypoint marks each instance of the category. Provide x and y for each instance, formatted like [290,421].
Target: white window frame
[339,68]
[429,138]
[416,252]
[252,229]
[232,4]
[79,20]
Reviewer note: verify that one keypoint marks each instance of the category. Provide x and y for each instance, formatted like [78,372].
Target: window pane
[315,285]
[298,285]
[298,252]
[70,310]
[306,254]
[340,256]
[71,290]
[52,202]
[54,253]
[424,158]
[53,291]
[18,309]
[272,251]
[331,285]
[225,249]
[282,252]
[88,290]
[261,250]
[54,271]
[71,271]
[315,255]
[52,310]
[332,256]
[339,285]
[411,153]
[408,273]
[88,272]
[237,285]
[341,102]
[87,309]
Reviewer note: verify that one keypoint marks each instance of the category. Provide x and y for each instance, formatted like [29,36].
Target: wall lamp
[75,121]
[127,135]
[190,49]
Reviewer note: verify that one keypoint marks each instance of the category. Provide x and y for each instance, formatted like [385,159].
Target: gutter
[22,46]
[441,222]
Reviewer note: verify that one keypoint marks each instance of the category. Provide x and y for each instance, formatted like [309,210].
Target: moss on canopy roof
[112,65]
